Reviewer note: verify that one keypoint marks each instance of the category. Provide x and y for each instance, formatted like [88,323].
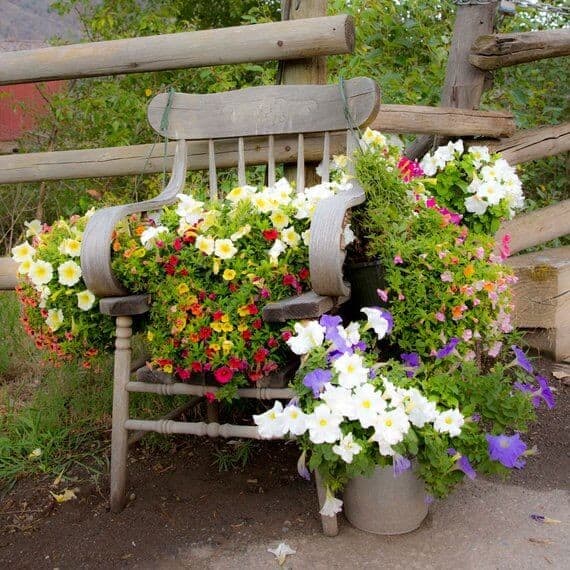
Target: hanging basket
[385,504]
[365,279]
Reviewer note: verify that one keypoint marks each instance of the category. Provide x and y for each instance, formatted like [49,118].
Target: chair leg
[119,436]
[330,524]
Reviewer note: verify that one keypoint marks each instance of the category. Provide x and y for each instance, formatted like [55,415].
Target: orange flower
[196,310]
[116,245]
[489,286]
[469,270]
[139,230]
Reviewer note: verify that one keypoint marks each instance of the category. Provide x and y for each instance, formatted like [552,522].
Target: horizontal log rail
[8,274]
[503,50]
[297,39]
[535,228]
[531,144]
[136,159]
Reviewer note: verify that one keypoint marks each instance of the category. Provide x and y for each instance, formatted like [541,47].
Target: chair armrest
[306,306]
[326,246]
[97,238]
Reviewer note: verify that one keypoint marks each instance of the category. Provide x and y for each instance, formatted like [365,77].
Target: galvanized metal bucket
[384,504]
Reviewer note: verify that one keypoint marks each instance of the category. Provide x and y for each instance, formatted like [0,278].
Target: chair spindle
[241,163]
[326,157]
[212,170]
[271,162]
[301,163]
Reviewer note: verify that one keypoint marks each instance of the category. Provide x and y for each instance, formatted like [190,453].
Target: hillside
[32,20]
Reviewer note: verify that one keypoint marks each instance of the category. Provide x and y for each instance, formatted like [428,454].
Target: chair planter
[251,117]
[384,503]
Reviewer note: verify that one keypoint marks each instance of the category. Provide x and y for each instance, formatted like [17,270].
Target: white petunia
[279,219]
[189,209]
[243,231]
[475,205]
[306,237]
[378,320]
[40,272]
[318,192]
[324,425]
[295,420]
[347,448]
[262,203]
[310,334]
[148,237]
[25,265]
[240,193]
[276,250]
[303,208]
[392,393]
[290,237]
[352,333]
[492,191]
[429,165]
[22,252]
[71,247]
[351,370]
[373,137]
[281,552]
[367,404]
[85,300]
[54,319]
[34,228]
[391,426]
[449,422]
[224,248]
[69,273]
[205,244]
[44,292]
[419,409]
[331,507]
[480,155]
[271,424]
[338,399]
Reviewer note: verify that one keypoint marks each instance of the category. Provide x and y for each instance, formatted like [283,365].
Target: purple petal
[506,449]
[330,321]
[521,359]
[316,380]
[545,392]
[537,518]
[302,467]
[400,464]
[463,464]
[447,349]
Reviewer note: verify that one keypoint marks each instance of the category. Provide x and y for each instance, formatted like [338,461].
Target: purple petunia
[316,379]
[302,467]
[448,348]
[411,361]
[521,359]
[543,392]
[400,464]
[463,464]
[507,449]
[332,334]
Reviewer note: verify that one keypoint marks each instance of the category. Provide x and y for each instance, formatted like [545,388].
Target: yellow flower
[229,274]
[227,345]
[279,219]
[225,318]
[168,368]
[85,300]
[217,326]
[242,327]
[54,319]
[205,244]
[182,289]
[243,311]
[148,91]
[227,327]
[149,336]
[216,266]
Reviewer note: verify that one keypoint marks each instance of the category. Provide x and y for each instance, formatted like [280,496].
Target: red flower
[223,374]
[169,269]
[235,363]
[205,333]
[270,235]
[173,260]
[286,335]
[272,342]
[202,295]
[232,287]
[177,244]
[212,296]
[252,309]
[246,335]
[255,376]
[304,274]
[196,309]
[183,272]
[257,324]
[217,315]
[289,280]
[196,366]
[269,367]
[210,396]
[183,373]
[260,355]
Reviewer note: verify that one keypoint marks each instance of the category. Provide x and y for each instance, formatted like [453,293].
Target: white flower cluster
[279,202]
[40,273]
[351,392]
[493,181]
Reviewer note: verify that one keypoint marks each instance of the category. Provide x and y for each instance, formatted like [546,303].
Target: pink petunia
[398,260]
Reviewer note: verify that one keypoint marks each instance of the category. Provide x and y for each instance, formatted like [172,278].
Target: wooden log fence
[503,50]
[531,144]
[286,40]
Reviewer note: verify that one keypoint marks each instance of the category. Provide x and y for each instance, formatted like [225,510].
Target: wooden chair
[273,112]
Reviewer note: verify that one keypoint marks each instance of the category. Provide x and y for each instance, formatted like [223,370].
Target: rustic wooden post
[312,70]
[464,83]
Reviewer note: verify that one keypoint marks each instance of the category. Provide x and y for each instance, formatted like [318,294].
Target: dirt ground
[180,502]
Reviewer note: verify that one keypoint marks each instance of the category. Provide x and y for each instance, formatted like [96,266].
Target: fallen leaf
[67,495]
[281,552]
[58,479]
[35,454]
